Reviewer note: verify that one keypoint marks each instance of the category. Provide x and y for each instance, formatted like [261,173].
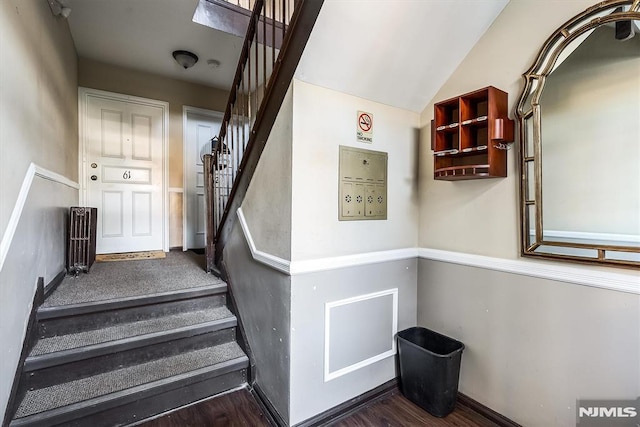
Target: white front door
[201,126]
[123,143]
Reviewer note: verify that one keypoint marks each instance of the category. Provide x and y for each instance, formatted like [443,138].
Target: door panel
[112,214]
[111,133]
[125,152]
[141,137]
[141,216]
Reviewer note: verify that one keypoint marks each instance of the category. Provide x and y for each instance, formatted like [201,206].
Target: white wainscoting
[373,358]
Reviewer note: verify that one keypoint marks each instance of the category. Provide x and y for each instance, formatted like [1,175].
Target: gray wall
[38,250]
[323,120]
[263,296]
[481,216]
[310,393]
[533,346]
[38,123]
[267,205]
[38,97]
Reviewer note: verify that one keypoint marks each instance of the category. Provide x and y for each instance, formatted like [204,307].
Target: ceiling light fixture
[58,9]
[185,58]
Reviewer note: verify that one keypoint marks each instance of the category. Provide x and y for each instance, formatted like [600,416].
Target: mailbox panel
[363,184]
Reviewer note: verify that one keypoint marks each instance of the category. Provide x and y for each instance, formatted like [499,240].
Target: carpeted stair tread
[40,400]
[127,330]
[124,279]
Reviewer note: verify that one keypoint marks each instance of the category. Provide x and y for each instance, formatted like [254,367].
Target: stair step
[64,320]
[76,346]
[61,403]
[51,311]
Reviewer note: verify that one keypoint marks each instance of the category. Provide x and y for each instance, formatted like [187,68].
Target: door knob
[94,178]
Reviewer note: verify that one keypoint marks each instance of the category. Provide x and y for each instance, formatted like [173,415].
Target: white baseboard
[33,171]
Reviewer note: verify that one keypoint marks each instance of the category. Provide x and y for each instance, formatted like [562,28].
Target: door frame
[84,94]
[186,109]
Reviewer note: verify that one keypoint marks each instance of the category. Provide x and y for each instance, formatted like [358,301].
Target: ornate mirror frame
[529,117]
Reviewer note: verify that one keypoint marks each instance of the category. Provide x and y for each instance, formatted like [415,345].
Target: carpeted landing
[125,279]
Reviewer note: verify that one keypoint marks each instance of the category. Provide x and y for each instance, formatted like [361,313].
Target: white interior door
[201,126]
[124,163]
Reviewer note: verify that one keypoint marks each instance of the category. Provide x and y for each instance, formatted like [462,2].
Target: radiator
[81,248]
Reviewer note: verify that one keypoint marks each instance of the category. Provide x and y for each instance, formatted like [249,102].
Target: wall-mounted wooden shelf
[466,134]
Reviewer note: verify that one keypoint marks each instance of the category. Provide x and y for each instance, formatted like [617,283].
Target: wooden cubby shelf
[466,132]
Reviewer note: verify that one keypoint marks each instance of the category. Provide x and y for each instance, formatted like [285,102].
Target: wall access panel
[362,184]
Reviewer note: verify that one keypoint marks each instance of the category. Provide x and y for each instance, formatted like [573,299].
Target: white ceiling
[142,34]
[397,52]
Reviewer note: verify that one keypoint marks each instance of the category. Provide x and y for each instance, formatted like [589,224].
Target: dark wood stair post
[210,245]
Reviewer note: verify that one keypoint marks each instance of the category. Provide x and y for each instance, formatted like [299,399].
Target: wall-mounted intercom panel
[363,184]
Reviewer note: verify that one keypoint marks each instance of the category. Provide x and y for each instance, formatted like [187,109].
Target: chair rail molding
[584,276]
[599,278]
[321,264]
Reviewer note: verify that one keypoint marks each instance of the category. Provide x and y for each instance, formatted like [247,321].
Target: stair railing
[276,36]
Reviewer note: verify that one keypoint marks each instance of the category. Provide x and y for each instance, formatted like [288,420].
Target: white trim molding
[580,275]
[33,171]
[598,278]
[320,264]
[175,190]
[346,261]
[272,261]
[330,375]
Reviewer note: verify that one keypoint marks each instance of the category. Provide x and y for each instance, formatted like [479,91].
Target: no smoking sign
[364,127]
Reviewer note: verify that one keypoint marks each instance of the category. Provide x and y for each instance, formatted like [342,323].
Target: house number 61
[126,175]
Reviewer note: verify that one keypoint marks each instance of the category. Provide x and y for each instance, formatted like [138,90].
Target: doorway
[200,126]
[123,167]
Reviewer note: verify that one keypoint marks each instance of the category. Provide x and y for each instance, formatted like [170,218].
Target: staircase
[121,360]
[277,34]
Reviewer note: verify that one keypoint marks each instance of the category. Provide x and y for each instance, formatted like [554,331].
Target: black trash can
[429,369]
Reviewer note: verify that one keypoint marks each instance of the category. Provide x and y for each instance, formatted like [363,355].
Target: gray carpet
[59,395]
[123,279]
[126,330]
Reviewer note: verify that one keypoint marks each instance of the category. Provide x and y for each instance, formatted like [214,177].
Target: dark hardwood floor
[239,409]
[235,409]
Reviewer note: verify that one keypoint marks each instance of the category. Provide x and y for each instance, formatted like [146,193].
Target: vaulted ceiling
[398,52]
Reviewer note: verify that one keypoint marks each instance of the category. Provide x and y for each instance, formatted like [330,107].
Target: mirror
[579,117]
